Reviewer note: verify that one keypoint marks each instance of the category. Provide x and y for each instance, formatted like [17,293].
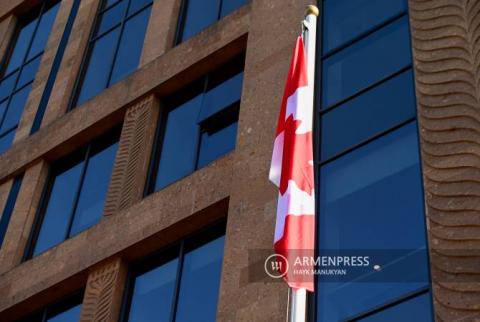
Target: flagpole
[298,298]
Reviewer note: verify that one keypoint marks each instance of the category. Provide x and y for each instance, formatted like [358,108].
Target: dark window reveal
[67,310]
[75,195]
[181,284]
[201,124]
[115,48]
[21,66]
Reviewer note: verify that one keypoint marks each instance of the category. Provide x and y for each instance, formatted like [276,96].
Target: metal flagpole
[298,298]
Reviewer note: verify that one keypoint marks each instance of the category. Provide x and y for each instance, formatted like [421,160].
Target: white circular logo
[276,266]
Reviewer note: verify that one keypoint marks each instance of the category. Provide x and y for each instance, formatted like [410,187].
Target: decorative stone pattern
[131,164]
[446,46]
[103,293]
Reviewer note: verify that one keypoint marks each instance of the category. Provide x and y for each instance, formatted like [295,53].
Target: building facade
[135,144]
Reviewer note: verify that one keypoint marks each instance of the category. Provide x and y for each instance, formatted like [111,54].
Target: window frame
[69,159]
[178,250]
[37,14]
[199,86]
[92,38]
[319,112]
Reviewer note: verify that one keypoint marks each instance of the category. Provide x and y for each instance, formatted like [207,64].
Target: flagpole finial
[312,10]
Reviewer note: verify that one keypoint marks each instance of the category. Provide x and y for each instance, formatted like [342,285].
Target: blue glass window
[410,310]
[21,67]
[342,27]
[377,187]
[180,284]
[67,310]
[115,48]
[370,184]
[201,124]
[366,62]
[199,14]
[8,209]
[76,193]
[385,106]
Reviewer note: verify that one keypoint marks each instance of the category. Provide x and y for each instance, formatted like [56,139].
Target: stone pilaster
[135,148]
[72,60]
[104,291]
[161,29]
[23,216]
[446,47]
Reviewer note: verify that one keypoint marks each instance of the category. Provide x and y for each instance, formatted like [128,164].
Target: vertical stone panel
[446,46]
[135,147]
[23,215]
[43,72]
[251,217]
[72,59]
[161,29]
[103,293]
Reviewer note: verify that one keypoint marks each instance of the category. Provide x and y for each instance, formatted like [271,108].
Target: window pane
[15,108]
[94,189]
[96,76]
[21,46]
[347,19]
[112,17]
[152,297]
[43,31]
[371,199]
[131,46]
[6,140]
[377,110]
[199,14]
[228,6]
[373,58]
[111,2]
[180,142]
[215,145]
[136,5]
[9,205]
[29,71]
[70,315]
[221,96]
[200,282]
[3,108]
[57,214]
[416,309]
[6,86]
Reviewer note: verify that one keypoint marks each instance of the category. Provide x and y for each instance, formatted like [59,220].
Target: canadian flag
[292,171]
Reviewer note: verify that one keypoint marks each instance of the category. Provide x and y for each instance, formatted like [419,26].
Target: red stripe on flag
[296,245]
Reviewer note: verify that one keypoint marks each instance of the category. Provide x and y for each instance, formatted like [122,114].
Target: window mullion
[176,290]
[77,193]
[220,5]
[122,27]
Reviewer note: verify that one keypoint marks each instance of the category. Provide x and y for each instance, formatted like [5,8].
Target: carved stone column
[133,157]
[446,46]
[104,291]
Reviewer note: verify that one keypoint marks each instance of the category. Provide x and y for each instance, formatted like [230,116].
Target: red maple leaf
[297,158]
